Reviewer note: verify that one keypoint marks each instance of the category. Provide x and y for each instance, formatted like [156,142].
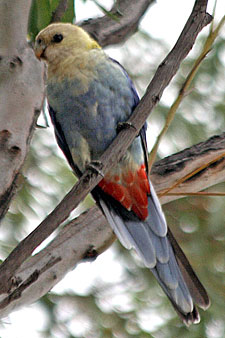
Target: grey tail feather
[188,318]
[160,252]
[195,287]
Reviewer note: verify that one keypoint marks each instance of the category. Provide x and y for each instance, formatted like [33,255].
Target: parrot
[89,95]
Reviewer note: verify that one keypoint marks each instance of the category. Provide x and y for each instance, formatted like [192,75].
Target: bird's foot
[91,254]
[96,167]
[125,125]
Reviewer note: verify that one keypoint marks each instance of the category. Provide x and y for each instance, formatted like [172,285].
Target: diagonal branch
[89,235]
[17,62]
[165,72]
[185,87]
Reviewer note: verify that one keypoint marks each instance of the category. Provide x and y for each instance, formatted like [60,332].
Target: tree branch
[121,22]
[89,235]
[60,11]
[21,95]
[168,171]
[165,72]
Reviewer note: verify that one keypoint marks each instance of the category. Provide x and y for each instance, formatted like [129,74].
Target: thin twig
[165,72]
[89,234]
[119,23]
[191,174]
[199,193]
[185,88]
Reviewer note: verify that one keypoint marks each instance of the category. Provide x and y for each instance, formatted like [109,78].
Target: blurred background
[115,296]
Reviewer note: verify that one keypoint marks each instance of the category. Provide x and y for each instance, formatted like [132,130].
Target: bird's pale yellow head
[62,39]
[65,48]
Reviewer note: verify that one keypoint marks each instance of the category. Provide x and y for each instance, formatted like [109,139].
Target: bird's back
[88,94]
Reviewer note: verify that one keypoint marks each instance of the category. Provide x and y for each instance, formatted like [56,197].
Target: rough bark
[165,72]
[23,281]
[89,235]
[21,95]
[208,155]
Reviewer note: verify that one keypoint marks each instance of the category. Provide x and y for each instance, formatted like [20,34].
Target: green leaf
[40,17]
[54,4]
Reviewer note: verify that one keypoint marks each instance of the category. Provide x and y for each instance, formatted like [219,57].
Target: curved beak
[39,50]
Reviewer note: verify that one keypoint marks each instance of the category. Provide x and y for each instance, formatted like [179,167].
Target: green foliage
[133,305]
[41,15]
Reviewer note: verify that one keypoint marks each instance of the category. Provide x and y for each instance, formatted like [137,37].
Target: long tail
[160,252]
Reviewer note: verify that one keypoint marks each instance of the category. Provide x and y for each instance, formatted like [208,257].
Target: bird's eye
[57,38]
[39,41]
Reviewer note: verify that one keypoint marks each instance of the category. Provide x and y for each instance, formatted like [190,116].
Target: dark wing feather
[158,249]
[196,288]
[61,140]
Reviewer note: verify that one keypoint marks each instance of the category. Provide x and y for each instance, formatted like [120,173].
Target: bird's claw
[125,125]
[96,167]
[91,254]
